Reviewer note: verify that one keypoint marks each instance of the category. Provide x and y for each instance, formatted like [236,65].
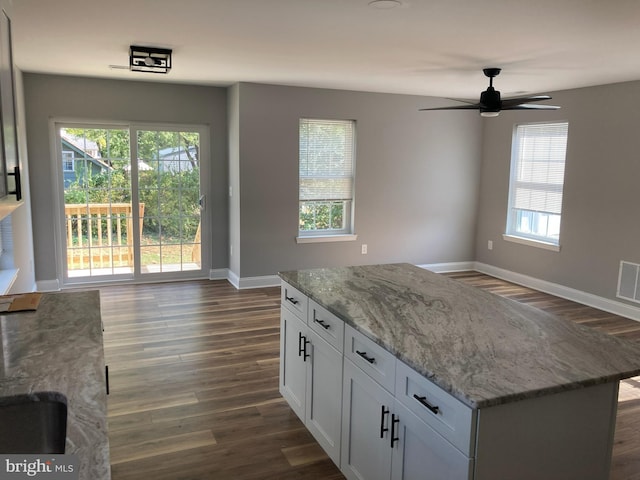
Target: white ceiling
[424,47]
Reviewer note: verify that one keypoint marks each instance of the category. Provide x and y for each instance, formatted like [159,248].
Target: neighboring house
[78,157]
[178,159]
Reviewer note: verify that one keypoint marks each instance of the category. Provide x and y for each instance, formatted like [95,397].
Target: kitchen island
[57,352]
[502,390]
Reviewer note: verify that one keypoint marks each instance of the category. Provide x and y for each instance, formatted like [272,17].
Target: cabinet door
[420,453]
[293,368]
[366,421]
[324,395]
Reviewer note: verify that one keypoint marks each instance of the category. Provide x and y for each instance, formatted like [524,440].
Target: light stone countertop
[481,348]
[58,348]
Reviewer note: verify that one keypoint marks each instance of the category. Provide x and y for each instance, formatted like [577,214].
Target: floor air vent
[629,281]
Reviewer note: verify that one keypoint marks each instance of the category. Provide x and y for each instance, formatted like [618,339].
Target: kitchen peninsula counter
[59,348]
[483,349]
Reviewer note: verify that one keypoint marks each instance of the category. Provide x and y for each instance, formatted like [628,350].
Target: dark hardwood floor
[193,372]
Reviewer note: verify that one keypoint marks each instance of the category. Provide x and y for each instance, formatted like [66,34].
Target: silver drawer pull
[423,402]
[371,360]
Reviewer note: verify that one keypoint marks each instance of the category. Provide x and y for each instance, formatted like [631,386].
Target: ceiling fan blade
[462,100]
[520,100]
[531,107]
[474,106]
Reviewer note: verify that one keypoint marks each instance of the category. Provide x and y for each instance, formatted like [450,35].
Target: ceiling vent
[149,59]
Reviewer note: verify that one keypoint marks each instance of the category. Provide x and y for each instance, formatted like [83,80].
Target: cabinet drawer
[294,300]
[451,418]
[376,362]
[326,325]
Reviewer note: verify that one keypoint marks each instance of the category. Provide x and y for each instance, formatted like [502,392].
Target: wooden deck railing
[100,235]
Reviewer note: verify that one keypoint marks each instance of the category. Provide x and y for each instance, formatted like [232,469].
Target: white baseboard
[449,267]
[219,274]
[242,283]
[47,286]
[259,282]
[274,280]
[233,279]
[601,303]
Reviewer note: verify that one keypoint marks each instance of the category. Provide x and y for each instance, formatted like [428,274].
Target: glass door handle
[202,201]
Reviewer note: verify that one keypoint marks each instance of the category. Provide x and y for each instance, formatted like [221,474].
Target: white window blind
[541,151]
[326,160]
[326,175]
[537,179]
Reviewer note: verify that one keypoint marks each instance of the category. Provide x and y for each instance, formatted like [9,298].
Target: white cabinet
[420,453]
[311,371]
[379,419]
[295,300]
[374,360]
[366,426]
[324,395]
[445,414]
[293,368]
[381,438]
[327,325]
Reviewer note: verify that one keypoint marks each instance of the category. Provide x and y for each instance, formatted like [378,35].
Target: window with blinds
[537,178]
[327,150]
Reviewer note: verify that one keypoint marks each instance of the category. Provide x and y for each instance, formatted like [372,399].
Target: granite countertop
[58,348]
[481,348]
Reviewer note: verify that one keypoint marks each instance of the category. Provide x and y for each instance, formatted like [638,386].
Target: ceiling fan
[490,103]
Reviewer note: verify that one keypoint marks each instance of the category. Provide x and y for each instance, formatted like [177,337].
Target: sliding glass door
[124,219]
[168,180]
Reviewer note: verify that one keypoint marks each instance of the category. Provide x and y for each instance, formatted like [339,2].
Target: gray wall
[49,96]
[418,175]
[600,219]
[234,177]
[416,179]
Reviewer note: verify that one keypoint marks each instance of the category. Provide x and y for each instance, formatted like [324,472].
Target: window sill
[327,238]
[532,243]
[7,278]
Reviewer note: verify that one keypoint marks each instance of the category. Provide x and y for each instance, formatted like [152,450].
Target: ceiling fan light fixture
[149,59]
[490,103]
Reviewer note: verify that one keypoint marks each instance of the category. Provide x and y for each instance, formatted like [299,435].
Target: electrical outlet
[364,249]
[490,244]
